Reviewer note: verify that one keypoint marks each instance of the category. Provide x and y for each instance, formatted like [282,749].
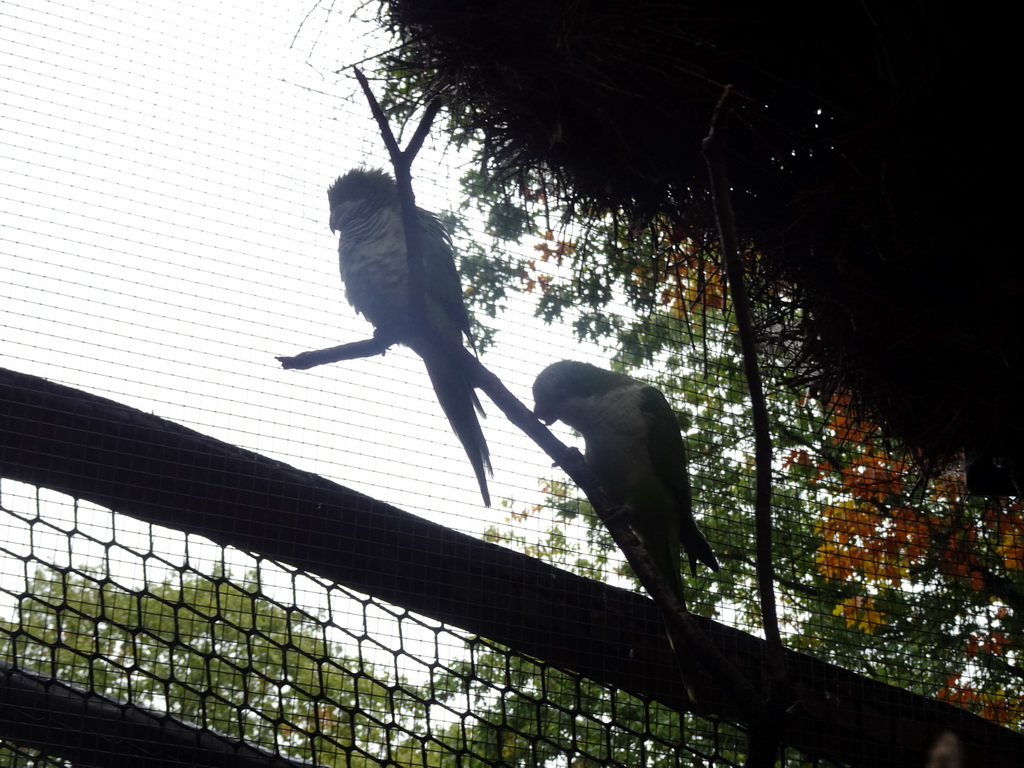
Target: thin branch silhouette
[765,730]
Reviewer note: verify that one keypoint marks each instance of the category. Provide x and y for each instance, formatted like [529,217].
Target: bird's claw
[570,456]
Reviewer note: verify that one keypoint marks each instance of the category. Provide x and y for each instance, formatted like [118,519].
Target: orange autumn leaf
[561,249]
[859,611]
[998,707]
[798,458]
[874,477]
[958,693]
[995,643]
[1010,542]
[856,542]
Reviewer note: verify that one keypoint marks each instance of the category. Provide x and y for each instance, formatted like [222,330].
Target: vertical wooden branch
[764,734]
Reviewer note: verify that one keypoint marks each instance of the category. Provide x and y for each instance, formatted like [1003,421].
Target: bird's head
[565,390]
[561,381]
[359,192]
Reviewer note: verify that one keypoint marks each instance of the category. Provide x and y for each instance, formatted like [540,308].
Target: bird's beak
[341,213]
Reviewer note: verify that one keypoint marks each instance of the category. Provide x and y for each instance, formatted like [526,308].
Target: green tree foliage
[527,713]
[877,569]
[212,651]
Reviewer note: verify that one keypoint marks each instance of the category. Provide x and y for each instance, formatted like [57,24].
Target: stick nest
[865,149]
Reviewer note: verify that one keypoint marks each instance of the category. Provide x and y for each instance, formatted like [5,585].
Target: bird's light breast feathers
[616,435]
[373,265]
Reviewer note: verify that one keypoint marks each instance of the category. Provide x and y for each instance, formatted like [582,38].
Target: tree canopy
[881,567]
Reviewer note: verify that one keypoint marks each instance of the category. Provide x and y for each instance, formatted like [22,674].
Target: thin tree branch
[764,736]
[378,114]
[378,345]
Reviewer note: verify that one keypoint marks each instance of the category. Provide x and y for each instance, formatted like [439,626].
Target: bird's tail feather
[696,546]
[686,661]
[460,404]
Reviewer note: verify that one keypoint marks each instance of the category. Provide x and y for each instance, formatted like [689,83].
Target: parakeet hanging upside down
[637,452]
[374,268]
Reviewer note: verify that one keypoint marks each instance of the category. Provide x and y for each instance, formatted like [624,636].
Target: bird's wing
[442,283]
[668,457]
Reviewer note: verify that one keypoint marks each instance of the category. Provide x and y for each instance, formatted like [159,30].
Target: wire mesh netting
[309,577]
[243,655]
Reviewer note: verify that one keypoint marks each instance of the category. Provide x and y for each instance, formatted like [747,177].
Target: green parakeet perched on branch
[637,452]
[372,254]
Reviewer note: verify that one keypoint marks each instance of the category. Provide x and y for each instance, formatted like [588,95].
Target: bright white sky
[163,174]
